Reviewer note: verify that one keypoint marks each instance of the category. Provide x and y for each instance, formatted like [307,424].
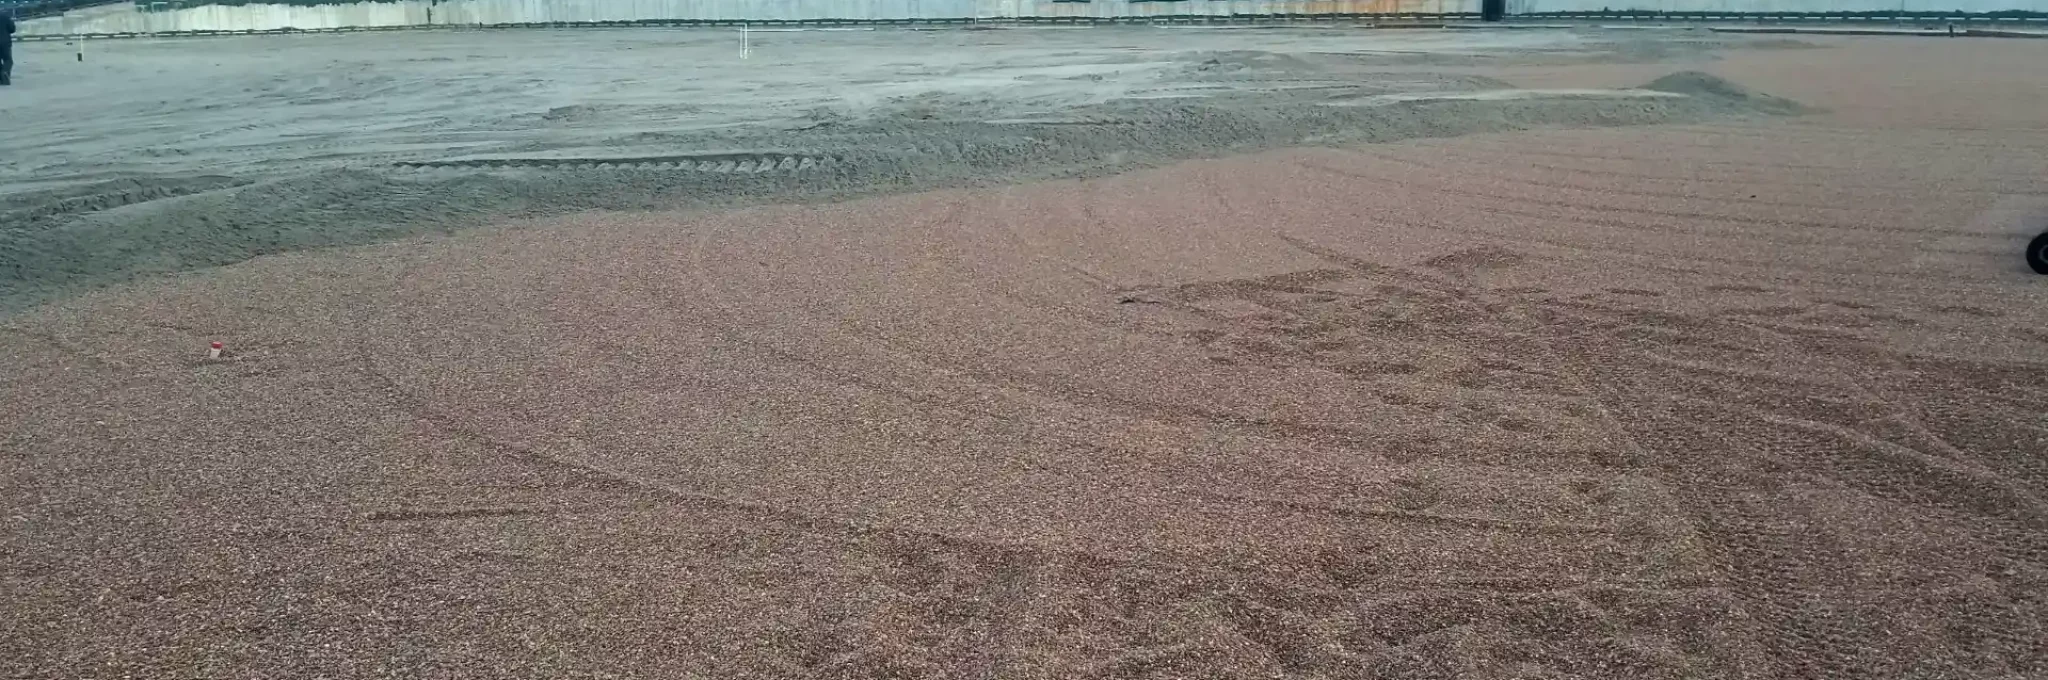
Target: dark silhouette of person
[6,47]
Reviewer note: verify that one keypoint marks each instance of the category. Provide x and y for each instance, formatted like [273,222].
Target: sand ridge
[320,141]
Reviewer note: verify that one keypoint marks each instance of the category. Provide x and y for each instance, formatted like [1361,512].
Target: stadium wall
[158,17]
[1775,6]
[265,16]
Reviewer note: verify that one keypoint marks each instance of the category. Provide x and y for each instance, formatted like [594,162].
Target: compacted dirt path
[1759,399]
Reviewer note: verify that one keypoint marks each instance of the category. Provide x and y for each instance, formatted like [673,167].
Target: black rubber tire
[2037,254]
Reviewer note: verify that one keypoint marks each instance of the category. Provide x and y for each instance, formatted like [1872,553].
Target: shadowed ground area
[1752,398]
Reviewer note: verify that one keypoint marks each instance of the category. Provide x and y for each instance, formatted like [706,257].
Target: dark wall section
[30,9]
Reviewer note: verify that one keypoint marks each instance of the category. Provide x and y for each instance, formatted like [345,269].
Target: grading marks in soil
[338,127]
[1743,397]
[719,163]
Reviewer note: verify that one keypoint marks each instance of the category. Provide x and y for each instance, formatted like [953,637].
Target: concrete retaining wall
[1775,6]
[265,17]
[128,18]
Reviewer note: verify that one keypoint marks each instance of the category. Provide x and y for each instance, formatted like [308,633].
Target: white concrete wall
[1748,6]
[127,19]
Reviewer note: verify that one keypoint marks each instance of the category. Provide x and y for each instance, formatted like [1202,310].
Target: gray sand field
[166,155]
[1450,355]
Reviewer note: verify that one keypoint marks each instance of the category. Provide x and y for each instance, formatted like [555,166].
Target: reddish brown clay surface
[1750,400]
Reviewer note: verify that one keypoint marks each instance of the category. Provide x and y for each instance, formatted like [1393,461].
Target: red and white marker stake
[214,351]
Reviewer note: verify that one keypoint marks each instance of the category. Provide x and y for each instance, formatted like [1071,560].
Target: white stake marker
[213,352]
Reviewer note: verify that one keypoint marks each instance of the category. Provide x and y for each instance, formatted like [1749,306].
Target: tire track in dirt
[1744,441]
[1370,430]
[1436,166]
[1766,555]
[718,163]
[1751,228]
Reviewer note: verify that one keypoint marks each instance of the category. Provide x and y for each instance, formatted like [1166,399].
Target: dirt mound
[922,144]
[1710,86]
[22,208]
[1241,101]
